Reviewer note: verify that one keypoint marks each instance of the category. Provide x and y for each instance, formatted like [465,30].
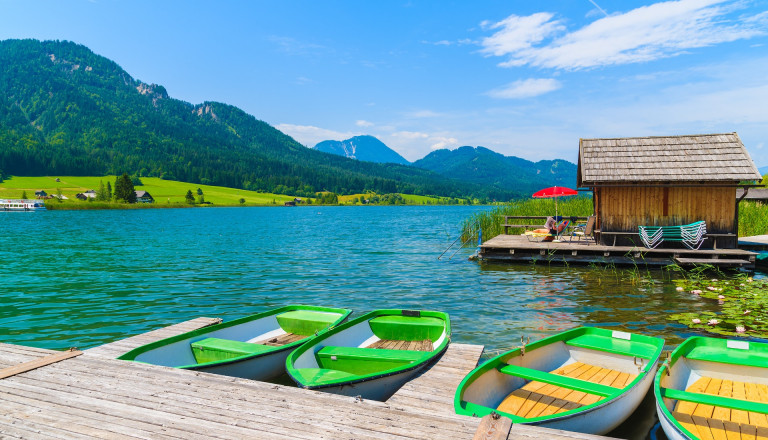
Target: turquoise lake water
[85,278]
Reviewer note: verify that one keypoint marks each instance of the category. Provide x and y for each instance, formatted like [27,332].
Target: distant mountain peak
[365,147]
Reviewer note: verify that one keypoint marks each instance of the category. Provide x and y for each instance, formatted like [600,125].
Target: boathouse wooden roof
[718,158]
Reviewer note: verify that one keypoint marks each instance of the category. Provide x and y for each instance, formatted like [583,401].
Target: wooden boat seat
[215,349]
[741,357]
[305,322]
[369,353]
[715,408]
[395,327]
[394,344]
[614,345]
[538,399]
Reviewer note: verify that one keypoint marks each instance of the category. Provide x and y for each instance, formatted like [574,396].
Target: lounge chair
[690,235]
[541,234]
[584,231]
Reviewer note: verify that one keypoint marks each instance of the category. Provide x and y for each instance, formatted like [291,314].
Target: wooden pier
[518,248]
[96,396]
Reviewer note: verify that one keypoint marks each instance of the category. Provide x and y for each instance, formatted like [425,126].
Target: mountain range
[67,111]
[469,164]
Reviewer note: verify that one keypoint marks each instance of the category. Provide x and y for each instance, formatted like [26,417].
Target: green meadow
[170,193]
[165,192]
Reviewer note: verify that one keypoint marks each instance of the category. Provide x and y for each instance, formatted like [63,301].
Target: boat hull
[354,359]
[265,367]
[245,348]
[380,389]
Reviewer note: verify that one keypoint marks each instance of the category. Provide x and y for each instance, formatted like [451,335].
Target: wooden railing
[525,222]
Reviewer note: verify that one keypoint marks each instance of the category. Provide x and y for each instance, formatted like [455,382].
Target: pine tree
[109,191]
[124,189]
[101,194]
[190,198]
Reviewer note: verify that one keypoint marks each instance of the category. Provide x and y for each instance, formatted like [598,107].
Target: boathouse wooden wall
[623,209]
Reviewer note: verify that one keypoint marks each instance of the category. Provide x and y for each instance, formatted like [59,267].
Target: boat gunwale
[289,368]
[344,314]
[560,337]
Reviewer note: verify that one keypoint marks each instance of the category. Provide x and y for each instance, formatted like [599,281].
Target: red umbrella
[554,191]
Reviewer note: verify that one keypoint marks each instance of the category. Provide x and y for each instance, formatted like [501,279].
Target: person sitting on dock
[553,228]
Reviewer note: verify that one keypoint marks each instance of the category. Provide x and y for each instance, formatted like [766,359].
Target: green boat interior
[297,325]
[716,407]
[403,340]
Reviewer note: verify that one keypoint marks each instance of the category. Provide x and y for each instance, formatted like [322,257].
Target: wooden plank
[279,341]
[123,346]
[493,427]
[123,392]
[42,362]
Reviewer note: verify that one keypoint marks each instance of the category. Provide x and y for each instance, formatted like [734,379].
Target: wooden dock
[96,396]
[518,248]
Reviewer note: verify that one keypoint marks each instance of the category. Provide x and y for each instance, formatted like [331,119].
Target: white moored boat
[585,380]
[713,388]
[21,205]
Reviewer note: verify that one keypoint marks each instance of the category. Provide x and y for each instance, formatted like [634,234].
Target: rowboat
[586,380]
[253,347]
[714,388]
[371,356]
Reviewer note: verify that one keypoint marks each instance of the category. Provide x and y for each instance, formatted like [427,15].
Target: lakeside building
[144,197]
[665,181]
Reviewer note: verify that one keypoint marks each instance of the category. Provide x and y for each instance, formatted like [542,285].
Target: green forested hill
[67,111]
[512,174]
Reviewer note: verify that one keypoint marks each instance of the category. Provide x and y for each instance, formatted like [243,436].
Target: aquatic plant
[743,305]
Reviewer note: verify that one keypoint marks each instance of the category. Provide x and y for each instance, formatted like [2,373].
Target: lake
[85,278]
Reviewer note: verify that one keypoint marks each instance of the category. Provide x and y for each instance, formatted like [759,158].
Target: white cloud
[309,136]
[363,123]
[526,88]
[647,33]
[442,142]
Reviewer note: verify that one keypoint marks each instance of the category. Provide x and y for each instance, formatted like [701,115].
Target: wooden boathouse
[666,181]
[651,181]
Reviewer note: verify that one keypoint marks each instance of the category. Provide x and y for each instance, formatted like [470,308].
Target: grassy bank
[171,194]
[167,193]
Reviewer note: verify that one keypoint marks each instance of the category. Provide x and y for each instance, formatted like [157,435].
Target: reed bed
[753,219]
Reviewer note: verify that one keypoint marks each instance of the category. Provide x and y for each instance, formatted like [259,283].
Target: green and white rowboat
[586,380]
[714,388]
[371,356]
[253,347]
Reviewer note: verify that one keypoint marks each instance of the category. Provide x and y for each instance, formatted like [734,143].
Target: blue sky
[524,78]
